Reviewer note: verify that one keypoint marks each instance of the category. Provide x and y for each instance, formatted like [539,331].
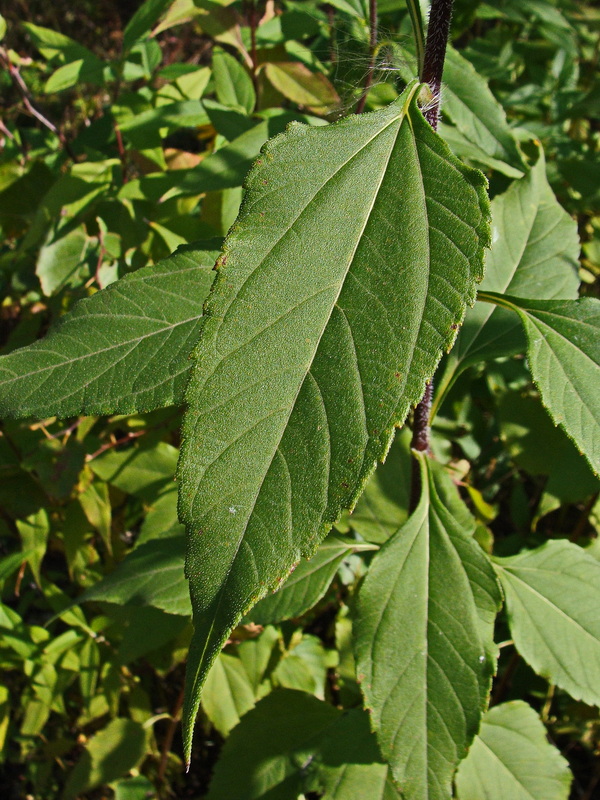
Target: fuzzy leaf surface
[357,249]
[125,349]
[552,599]
[424,640]
[563,351]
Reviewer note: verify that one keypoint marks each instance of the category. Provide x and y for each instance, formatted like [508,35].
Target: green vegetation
[213,267]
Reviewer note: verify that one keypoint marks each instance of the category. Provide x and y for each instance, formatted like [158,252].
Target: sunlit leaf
[288,407]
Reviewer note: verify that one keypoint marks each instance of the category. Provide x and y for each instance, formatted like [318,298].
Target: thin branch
[372,45]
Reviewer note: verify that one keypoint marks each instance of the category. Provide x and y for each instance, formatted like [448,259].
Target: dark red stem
[438,32]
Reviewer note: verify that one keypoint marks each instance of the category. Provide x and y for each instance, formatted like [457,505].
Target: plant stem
[372,45]
[433,66]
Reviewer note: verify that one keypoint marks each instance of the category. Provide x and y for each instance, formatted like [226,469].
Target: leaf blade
[427,693]
[305,396]
[147,323]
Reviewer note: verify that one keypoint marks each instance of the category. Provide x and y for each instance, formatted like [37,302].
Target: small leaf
[108,755]
[563,352]
[424,640]
[59,261]
[142,21]
[232,83]
[552,596]
[474,110]
[228,693]
[512,758]
[152,575]
[383,506]
[122,350]
[307,584]
[310,89]
[288,408]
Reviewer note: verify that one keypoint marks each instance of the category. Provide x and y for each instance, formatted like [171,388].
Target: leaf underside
[356,251]
[424,640]
[125,349]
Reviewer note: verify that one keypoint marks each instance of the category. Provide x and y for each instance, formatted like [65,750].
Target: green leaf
[108,755]
[534,253]
[232,83]
[296,82]
[292,743]
[297,388]
[475,111]
[511,757]
[552,596]
[383,506]
[424,640]
[59,261]
[124,349]
[75,72]
[563,352]
[152,575]
[307,584]
[271,752]
[34,532]
[228,693]
[142,21]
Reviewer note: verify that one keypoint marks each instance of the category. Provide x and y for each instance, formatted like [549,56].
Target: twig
[433,67]
[168,740]
[21,86]
[372,45]
[115,443]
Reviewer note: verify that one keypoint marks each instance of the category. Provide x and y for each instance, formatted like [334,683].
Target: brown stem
[168,740]
[433,67]
[372,45]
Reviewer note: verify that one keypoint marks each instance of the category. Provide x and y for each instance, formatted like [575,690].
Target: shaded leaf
[534,253]
[124,349]
[108,755]
[228,693]
[152,575]
[552,596]
[511,757]
[288,409]
[424,640]
[307,584]
[563,352]
[384,504]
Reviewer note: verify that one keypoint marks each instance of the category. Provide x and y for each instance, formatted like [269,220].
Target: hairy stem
[372,45]
[433,67]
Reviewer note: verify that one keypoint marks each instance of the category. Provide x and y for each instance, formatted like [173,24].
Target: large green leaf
[356,251]
[563,351]
[307,584]
[124,349]
[534,253]
[552,599]
[424,640]
[512,758]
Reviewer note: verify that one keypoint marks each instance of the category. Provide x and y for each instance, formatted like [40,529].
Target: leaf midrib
[397,119]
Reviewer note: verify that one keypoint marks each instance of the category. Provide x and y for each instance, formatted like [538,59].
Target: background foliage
[127,133]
